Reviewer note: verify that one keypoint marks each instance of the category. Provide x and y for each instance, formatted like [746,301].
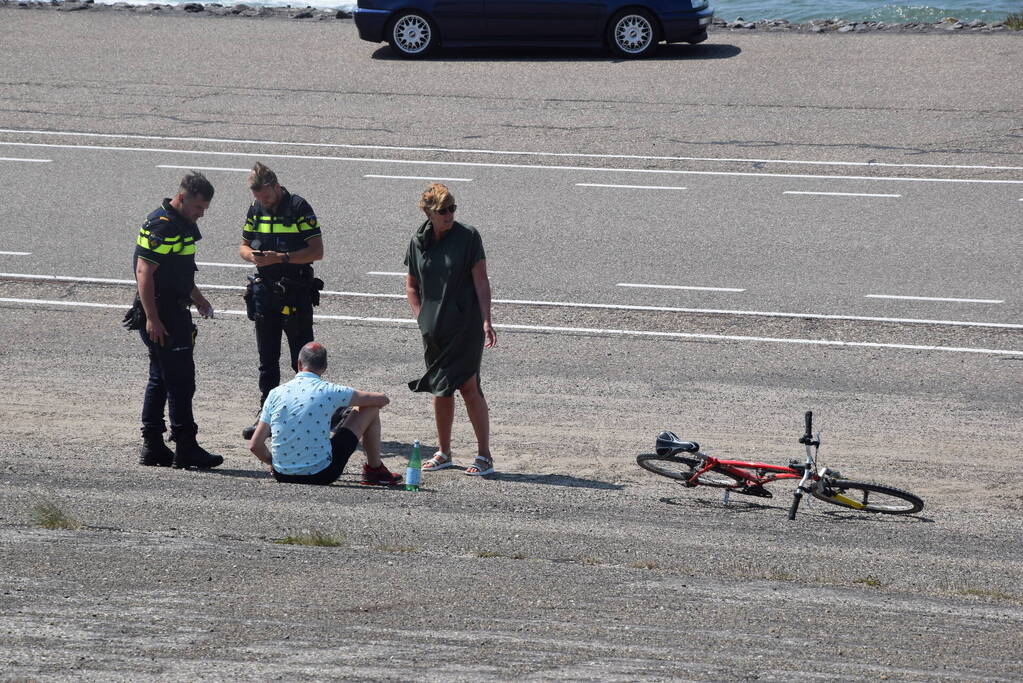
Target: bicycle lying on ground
[684,462]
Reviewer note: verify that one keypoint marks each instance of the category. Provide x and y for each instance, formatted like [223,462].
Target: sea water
[796,11]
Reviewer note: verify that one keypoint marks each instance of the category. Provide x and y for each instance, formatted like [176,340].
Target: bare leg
[479,414]
[444,414]
[364,422]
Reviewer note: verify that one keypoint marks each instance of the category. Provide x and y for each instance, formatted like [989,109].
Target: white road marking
[533,167]
[631,187]
[16,253]
[567,304]
[31,161]
[934,298]
[701,289]
[419,177]
[455,150]
[593,330]
[842,194]
[383,272]
[225,265]
[205,168]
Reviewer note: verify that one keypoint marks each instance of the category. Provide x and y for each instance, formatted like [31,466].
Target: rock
[193,7]
[848,28]
[342,14]
[304,14]
[72,7]
[976,23]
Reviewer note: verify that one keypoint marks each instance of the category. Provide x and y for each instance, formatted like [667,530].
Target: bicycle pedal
[758,491]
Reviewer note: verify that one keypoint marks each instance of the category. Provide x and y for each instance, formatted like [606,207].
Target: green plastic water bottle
[414,471]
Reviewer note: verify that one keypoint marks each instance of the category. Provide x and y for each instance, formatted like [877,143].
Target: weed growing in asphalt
[643,564]
[314,537]
[1015,22]
[871,581]
[395,548]
[492,553]
[49,515]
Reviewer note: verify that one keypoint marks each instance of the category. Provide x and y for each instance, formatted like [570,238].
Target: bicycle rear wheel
[867,497]
[682,467]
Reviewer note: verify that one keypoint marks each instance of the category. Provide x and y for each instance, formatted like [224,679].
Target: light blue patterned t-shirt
[299,413]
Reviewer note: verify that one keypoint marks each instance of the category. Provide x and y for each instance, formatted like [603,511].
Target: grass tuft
[314,537]
[49,515]
[643,564]
[988,593]
[871,581]
[491,553]
[1015,22]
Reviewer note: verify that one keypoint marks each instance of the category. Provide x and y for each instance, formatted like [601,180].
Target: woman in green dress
[449,292]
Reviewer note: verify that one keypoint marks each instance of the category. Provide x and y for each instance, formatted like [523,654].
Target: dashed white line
[31,161]
[524,167]
[841,194]
[205,168]
[699,289]
[577,155]
[569,304]
[384,272]
[225,265]
[16,253]
[595,330]
[631,187]
[419,177]
[934,298]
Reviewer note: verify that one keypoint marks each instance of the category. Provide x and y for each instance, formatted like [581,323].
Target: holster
[263,298]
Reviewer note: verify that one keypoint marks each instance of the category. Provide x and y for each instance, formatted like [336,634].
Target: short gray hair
[313,357]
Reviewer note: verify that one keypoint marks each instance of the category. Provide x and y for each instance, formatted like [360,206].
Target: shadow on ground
[674,52]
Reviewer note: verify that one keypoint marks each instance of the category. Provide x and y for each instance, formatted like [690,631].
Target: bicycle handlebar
[809,424]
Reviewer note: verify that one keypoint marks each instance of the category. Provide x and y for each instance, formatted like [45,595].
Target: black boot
[154,452]
[249,431]
[188,453]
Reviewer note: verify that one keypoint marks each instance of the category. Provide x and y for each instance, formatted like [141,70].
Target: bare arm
[369,398]
[412,294]
[482,282]
[204,307]
[257,444]
[313,251]
[144,275]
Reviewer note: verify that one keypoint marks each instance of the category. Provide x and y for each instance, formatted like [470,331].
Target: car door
[459,20]
[544,20]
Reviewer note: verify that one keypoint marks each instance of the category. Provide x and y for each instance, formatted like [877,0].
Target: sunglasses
[444,212]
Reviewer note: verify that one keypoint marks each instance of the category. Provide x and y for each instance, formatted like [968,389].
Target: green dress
[450,319]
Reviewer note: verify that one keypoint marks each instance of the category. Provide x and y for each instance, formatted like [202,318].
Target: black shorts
[342,445]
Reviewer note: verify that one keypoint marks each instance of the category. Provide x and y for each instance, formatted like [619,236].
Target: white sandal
[439,461]
[483,466]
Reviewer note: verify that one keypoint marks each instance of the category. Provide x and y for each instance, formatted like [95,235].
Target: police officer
[282,238]
[165,272]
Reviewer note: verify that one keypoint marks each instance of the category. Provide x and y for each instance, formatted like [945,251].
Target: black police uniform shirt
[167,239]
[289,228]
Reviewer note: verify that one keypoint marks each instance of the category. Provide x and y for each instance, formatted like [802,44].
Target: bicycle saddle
[668,443]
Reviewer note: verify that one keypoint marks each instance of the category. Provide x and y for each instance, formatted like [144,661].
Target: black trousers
[299,329]
[171,375]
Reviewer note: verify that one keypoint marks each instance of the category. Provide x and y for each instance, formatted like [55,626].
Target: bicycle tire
[681,467]
[887,500]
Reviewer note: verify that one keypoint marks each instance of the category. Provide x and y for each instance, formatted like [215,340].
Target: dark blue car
[629,28]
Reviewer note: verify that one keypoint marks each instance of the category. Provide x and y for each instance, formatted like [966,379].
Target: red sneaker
[379,476]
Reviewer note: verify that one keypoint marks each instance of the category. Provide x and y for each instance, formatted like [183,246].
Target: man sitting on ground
[297,414]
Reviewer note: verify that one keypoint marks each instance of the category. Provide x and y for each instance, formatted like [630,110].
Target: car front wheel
[632,34]
[412,35]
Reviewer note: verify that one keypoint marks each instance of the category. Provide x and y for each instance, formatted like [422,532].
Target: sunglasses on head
[444,211]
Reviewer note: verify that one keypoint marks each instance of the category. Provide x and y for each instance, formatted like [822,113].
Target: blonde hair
[261,176]
[436,196]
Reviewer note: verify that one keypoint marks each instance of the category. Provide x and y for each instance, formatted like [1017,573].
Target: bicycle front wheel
[681,468]
[867,497]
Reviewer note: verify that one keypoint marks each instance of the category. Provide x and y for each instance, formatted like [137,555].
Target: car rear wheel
[412,35]
[632,34]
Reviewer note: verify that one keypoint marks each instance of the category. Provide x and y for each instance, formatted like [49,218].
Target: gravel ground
[570,563]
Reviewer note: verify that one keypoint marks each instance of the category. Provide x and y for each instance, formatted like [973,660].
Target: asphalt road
[573,563]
